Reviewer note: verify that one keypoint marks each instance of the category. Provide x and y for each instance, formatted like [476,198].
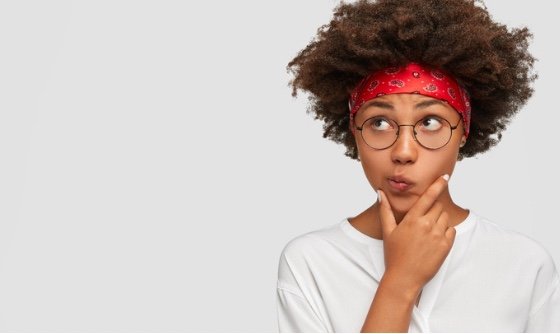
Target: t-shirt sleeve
[297,312]
[295,315]
[544,313]
[546,318]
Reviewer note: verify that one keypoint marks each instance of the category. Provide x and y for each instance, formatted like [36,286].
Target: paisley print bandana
[413,78]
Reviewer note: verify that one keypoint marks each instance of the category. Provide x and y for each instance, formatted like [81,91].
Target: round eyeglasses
[431,132]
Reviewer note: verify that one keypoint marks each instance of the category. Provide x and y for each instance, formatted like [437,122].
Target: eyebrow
[385,105]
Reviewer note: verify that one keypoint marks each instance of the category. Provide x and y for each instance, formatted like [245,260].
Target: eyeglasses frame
[360,128]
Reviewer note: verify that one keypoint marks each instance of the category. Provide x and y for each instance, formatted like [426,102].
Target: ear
[463,141]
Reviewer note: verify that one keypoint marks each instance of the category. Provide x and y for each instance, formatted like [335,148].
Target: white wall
[153,163]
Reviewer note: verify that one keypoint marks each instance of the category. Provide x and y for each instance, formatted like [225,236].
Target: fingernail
[446,177]
[378,196]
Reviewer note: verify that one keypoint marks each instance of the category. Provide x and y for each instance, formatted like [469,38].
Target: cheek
[376,166]
[428,166]
[433,165]
[441,162]
[426,169]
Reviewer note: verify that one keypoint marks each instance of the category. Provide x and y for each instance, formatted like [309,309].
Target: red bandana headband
[413,78]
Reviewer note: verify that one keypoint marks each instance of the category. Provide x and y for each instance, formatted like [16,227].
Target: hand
[416,248]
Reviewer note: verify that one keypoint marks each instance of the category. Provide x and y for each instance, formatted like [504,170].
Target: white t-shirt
[493,280]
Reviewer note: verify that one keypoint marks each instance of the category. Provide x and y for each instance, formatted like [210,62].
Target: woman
[411,87]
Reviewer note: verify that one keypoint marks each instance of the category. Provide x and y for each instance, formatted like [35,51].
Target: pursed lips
[400,183]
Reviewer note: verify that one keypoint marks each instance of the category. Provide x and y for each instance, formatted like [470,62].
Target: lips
[401,179]
[400,183]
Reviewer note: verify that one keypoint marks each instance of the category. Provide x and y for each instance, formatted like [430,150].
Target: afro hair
[458,36]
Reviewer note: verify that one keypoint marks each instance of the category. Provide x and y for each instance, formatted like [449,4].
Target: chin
[400,203]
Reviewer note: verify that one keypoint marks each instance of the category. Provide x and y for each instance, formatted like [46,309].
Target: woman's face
[406,157]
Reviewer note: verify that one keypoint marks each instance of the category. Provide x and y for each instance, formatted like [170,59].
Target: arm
[422,236]
[391,307]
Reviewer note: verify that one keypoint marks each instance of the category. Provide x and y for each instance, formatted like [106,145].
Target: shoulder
[295,258]
[311,242]
[313,252]
[497,239]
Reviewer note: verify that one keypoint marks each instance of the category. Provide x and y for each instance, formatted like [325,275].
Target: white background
[153,163]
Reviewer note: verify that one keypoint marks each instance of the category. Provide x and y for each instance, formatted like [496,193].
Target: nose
[405,149]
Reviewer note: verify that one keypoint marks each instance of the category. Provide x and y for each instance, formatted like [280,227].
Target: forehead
[396,103]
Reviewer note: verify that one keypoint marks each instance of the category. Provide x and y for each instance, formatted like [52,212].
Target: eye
[432,123]
[379,124]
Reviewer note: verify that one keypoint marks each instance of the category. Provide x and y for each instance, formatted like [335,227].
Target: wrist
[401,287]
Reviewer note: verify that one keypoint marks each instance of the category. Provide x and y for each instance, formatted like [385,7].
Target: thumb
[388,222]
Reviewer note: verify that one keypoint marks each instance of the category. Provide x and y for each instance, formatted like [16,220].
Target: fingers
[442,225]
[427,199]
[387,218]
[442,222]
[423,207]
[435,212]
[450,234]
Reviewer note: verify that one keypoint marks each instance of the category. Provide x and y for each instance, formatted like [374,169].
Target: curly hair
[458,36]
